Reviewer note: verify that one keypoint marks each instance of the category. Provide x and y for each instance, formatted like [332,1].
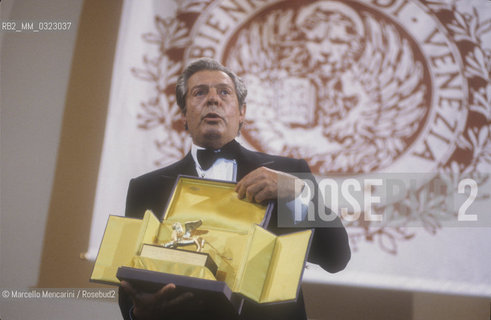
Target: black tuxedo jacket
[329,248]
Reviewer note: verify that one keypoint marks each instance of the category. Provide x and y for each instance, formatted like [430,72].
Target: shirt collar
[194,152]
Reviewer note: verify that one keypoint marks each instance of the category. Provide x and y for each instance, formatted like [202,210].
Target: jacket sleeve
[132,197]
[330,244]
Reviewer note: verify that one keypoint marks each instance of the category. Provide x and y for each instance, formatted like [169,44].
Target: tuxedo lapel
[185,166]
[188,166]
[248,161]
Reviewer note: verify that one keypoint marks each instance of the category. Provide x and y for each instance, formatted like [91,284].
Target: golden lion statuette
[183,238]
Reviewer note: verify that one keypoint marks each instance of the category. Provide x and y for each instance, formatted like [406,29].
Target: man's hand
[163,304]
[267,184]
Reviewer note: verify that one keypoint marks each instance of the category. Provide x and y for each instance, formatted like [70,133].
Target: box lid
[216,203]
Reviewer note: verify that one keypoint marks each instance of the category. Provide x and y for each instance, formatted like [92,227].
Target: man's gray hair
[202,65]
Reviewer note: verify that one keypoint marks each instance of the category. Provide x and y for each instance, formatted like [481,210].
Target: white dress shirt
[222,169]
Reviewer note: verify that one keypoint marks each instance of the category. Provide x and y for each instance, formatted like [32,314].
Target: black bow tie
[207,157]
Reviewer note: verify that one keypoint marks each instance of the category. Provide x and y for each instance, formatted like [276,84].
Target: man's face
[212,109]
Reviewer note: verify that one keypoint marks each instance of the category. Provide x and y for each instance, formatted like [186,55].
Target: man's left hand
[267,184]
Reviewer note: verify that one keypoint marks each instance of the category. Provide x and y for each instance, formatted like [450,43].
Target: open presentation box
[249,261]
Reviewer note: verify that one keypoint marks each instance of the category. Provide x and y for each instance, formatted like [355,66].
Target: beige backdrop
[54,96]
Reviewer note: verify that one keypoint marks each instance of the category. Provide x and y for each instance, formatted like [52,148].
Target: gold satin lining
[117,247]
[227,249]
[251,260]
[286,267]
[215,203]
[149,230]
[256,265]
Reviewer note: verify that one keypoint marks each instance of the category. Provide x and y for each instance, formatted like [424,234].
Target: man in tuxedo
[212,100]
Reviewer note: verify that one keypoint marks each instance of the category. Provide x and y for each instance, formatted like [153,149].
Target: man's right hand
[163,304]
